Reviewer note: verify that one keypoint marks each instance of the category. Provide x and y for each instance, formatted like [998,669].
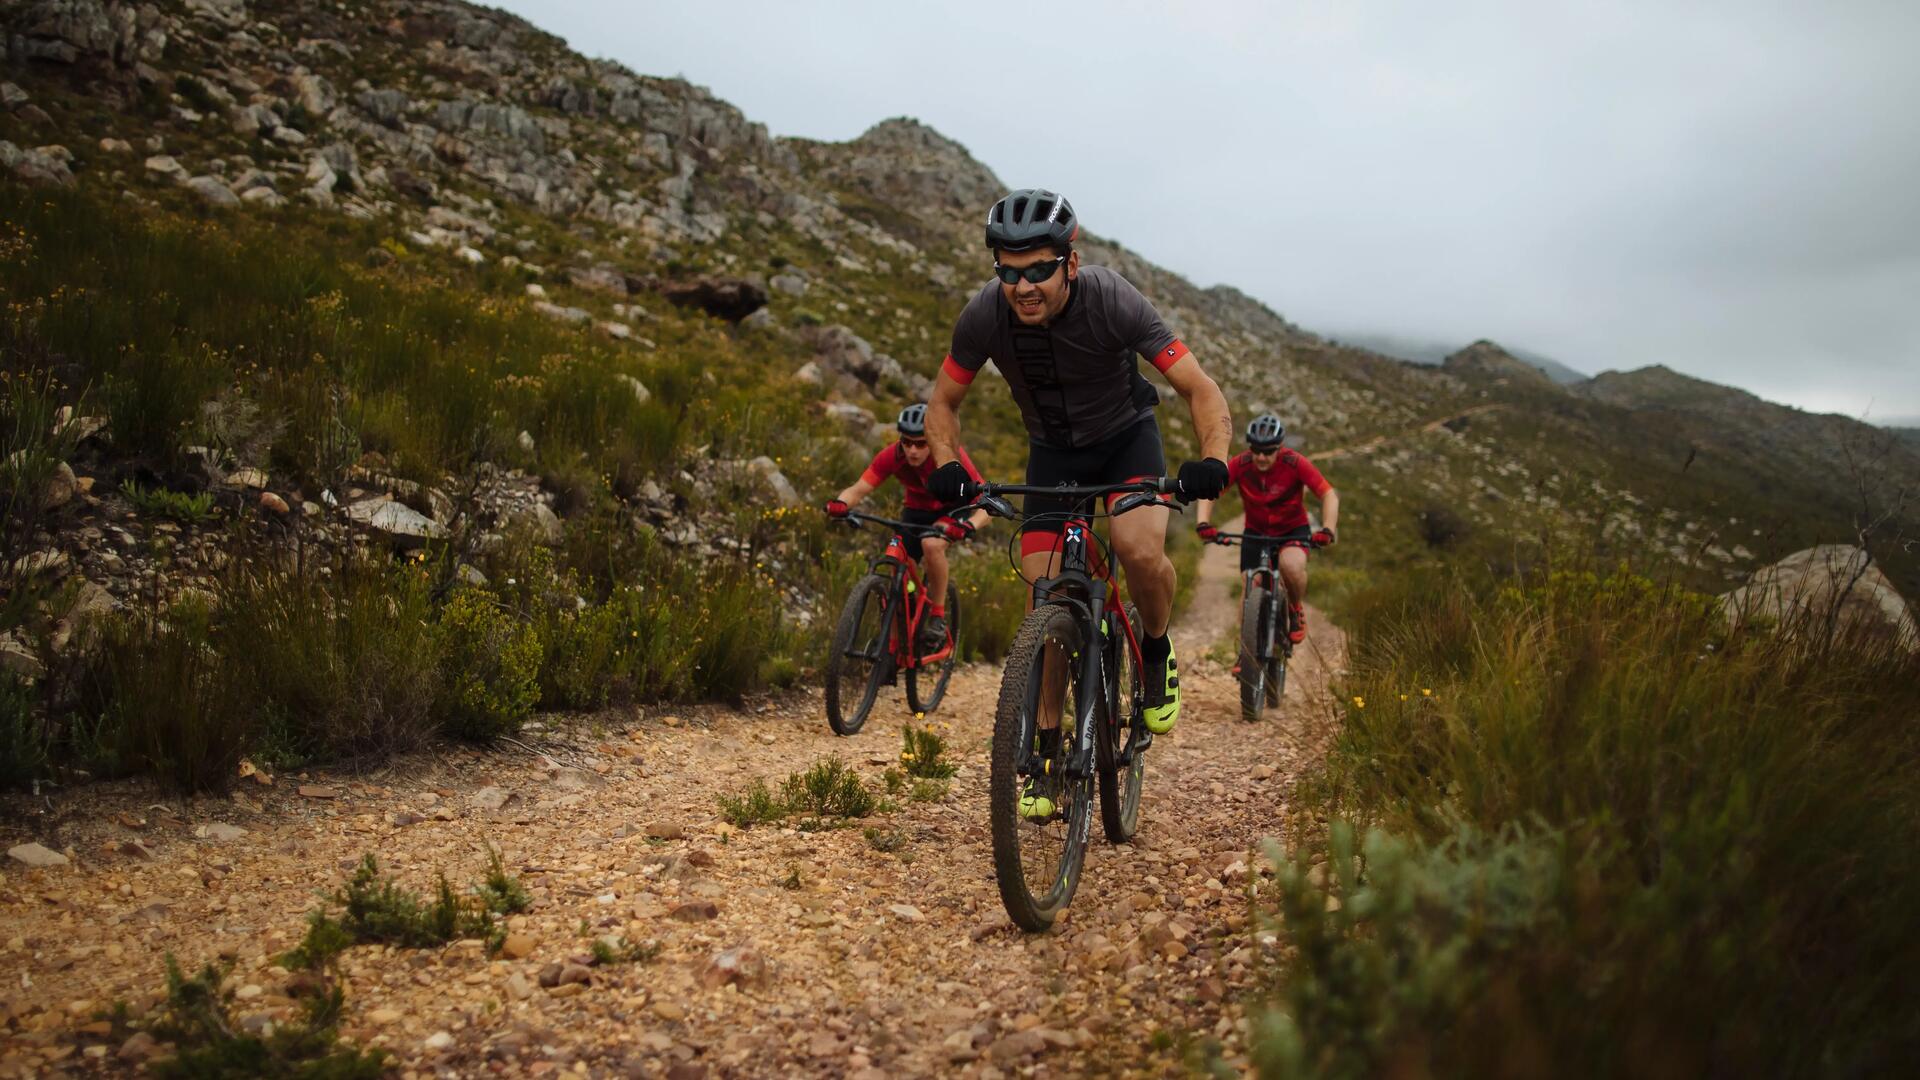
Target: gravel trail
[782,952]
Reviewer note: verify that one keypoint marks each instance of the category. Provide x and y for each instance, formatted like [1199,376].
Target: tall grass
[1607,832]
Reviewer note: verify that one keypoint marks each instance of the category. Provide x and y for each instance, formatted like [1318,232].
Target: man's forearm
[1212,420]
[943,419]
[1330,510]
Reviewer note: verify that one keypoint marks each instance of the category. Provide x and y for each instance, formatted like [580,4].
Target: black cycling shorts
[1251,547]
[1132,454]
[914,516]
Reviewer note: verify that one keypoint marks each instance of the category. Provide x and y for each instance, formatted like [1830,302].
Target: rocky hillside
[643,215]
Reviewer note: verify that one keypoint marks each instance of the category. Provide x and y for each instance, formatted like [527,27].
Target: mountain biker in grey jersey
[1067,339]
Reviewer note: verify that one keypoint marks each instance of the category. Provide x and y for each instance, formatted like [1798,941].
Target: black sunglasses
[913,444]
[1036,273]
[1263,451]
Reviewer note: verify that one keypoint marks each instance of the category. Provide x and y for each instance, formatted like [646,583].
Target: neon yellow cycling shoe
[1163,694]
[1039,799]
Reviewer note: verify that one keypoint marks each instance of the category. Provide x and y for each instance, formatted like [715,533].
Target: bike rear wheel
[1126,693]
[1037,861]
[936,676]
[860,658]
[1256,639]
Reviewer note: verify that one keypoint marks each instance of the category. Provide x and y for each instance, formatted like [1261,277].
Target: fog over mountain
[1724,189]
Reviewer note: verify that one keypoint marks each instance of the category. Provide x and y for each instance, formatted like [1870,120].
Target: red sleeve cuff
[954,371]
[1170,355]
[872,479]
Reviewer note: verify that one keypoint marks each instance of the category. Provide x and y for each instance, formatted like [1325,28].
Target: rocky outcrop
[1830,588]
[732,299]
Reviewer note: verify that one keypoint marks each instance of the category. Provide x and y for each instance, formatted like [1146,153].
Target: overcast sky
[1730,189]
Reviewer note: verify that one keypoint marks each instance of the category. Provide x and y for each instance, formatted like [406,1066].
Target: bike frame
[903,603]
[1276,587]
[1084,582]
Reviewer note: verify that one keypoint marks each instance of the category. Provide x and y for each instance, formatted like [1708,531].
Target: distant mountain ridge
[1429,352]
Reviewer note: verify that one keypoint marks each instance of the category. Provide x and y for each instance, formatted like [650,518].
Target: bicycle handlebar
[1219,536]
[855,517]
[990,497]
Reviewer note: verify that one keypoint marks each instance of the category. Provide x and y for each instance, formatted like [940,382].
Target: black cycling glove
[950,483]
[1203,479]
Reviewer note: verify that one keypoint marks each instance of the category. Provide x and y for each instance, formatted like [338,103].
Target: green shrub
[1626,837]
[31,451]
[491,666]
[164,700]
[23,735]
[341,668]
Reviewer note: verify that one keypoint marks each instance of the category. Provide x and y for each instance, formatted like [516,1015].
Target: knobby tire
[867,603]
[1014,729]
[943,671]
[1120,790]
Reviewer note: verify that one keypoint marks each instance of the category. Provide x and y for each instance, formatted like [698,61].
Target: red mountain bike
[878,634]
[1266,629]
[1072,708]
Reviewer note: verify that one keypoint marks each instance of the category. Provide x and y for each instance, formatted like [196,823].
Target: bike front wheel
[1256,640]
[1277,667]
[1037,856]
[1126,696]
[860,658]
[924,696]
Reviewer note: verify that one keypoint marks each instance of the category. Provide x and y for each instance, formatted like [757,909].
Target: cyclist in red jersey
[1271,479]
[910,461]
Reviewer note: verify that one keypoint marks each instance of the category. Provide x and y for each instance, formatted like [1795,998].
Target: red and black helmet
[1032,218]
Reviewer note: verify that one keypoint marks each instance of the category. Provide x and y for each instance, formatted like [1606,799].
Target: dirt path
[877,963]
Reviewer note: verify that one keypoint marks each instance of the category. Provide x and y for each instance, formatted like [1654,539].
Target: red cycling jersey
[1272,498]
[892,461]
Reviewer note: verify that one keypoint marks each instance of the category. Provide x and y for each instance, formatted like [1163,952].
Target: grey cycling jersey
[1075,379]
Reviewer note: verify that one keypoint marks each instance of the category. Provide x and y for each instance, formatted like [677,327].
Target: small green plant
[754,806]
[501,891]
[190,509]
[822,796]
[611,950]
[929,790]
[830,789]
[922,753]
[198,1021]
[377,909]
[793,882]
[895,780]
[888,840]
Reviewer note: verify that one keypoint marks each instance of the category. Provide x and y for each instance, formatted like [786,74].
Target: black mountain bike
[1077,659]
[1266,630]
[879,631]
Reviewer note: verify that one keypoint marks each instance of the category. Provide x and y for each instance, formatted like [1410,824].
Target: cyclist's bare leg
[1053,690]
[933,560]
[1139,540]
[1293,571]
